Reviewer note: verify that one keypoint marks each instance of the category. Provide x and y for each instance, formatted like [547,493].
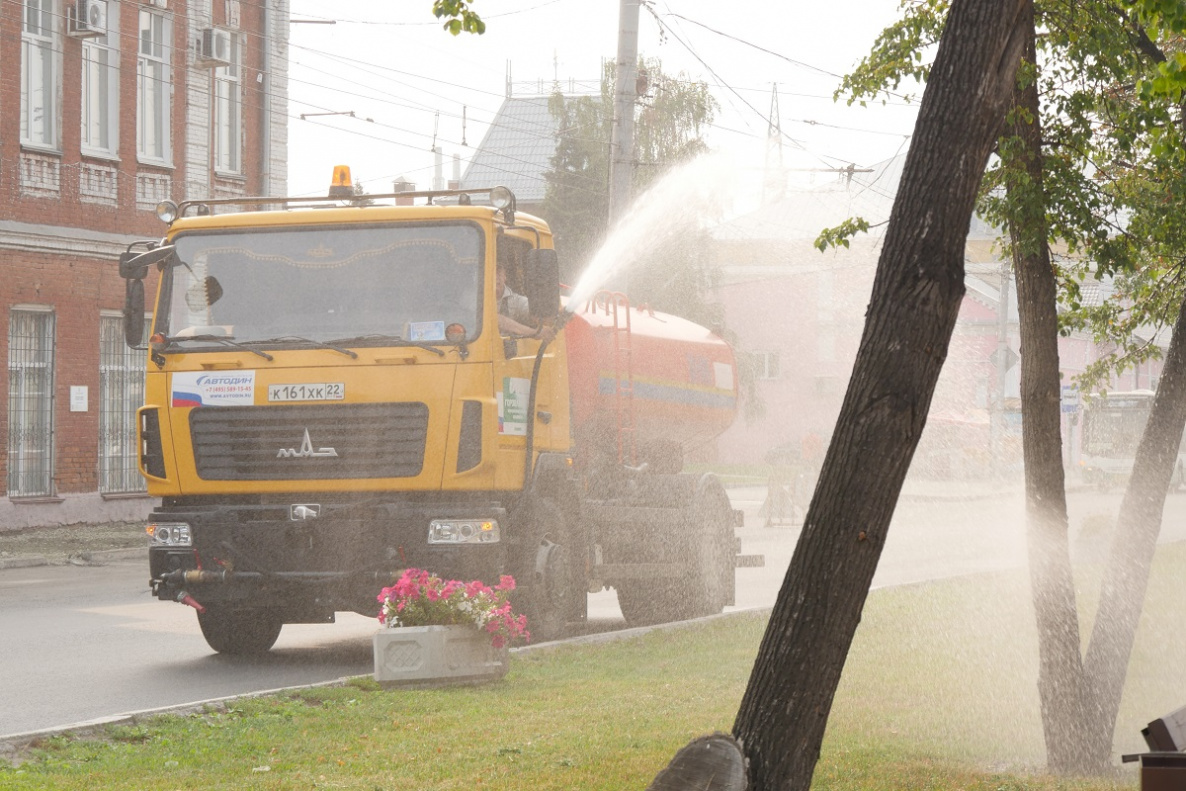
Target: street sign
[1011,357]
[1070,399]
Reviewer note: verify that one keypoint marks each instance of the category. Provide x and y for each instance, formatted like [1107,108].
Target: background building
[106,108]
[799,314]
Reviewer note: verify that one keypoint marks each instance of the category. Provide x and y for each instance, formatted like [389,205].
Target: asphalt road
[86,644]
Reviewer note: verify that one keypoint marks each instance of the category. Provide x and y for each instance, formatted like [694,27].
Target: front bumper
[261,556]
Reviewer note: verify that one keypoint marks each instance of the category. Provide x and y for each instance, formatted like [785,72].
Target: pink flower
[419,598]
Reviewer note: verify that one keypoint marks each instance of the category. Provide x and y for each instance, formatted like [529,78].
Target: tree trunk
[912,312]
[1060,667]
[1126,574]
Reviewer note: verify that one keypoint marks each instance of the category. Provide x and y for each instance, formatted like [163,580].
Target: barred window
[30,403]
[121,392]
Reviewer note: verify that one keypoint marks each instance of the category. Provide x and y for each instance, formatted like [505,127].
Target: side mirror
[134,265]
[134,312]
[541,282]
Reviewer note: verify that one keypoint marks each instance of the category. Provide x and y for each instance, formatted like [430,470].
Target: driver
[514,317]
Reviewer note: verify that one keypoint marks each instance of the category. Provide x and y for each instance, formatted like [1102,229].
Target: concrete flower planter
[431,655]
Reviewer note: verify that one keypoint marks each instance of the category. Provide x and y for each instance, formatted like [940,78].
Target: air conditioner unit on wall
[87,18]
[214,48]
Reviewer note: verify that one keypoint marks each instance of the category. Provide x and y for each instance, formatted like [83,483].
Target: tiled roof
[516,149]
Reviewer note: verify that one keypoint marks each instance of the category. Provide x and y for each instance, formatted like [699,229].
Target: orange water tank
[646,384]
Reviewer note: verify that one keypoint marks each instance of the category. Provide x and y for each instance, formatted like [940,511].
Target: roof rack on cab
[342,190]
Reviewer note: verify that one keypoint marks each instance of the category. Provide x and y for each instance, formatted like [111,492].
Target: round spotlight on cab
[166,211]
[501,198]
[455,333]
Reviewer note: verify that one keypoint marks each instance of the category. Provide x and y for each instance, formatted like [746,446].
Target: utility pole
[774,178]
[621,149]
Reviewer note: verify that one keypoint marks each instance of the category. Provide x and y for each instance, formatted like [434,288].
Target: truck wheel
[252,631]
[706,554]
[647,602]
[711,555]
[549,591]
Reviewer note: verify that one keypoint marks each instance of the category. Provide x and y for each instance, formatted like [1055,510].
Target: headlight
[166,211]
[502,198]
[169,534]
[463,531]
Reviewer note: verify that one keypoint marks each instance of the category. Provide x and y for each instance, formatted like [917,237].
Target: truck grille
[258,443]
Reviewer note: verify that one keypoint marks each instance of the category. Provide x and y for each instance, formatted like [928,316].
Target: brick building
[106,108]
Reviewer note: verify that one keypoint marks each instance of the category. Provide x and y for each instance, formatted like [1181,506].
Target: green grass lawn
[938,693]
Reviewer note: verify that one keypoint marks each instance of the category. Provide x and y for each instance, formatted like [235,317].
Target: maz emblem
[306,450]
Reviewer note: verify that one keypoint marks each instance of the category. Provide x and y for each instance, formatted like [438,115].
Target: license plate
[318,391]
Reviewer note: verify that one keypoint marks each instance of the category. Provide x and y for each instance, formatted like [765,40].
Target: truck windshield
[370,285]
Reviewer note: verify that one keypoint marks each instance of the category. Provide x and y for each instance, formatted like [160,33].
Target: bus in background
[1113,424]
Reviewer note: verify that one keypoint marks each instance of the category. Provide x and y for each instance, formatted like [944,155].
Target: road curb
[97,558]
[27,561]
[12,744]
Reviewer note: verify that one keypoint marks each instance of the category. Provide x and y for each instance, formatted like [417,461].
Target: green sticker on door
[512,406]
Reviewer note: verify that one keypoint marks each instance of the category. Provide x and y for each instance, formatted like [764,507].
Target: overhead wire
[735,91]
[436,23]
[544,130]
[245,103]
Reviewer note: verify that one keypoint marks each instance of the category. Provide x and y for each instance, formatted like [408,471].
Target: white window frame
[228,112]
[766,365]
[121,392]
[100,90]
[40,85]
[30,402]
[154,89]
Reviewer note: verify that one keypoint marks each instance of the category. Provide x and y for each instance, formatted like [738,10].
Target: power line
[792,61]
[670,31]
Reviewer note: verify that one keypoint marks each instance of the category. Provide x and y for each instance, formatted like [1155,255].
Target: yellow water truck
[329,400]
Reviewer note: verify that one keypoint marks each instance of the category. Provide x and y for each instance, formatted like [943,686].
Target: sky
[395,82]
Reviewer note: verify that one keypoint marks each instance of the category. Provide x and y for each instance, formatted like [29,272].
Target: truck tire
[712,554]
[250,631]
[706,551]
[551,598]
[648,602]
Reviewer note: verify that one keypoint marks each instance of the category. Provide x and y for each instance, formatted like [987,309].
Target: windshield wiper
[391,338]
[224,339]
[311,342]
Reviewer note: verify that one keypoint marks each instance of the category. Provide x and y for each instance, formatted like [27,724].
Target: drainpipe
[265,104]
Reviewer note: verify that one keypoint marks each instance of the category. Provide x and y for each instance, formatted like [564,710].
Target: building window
[121,392]
[30,403]
[228,112]
[100,89]
[153,89]
[765,365]
[39,78]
